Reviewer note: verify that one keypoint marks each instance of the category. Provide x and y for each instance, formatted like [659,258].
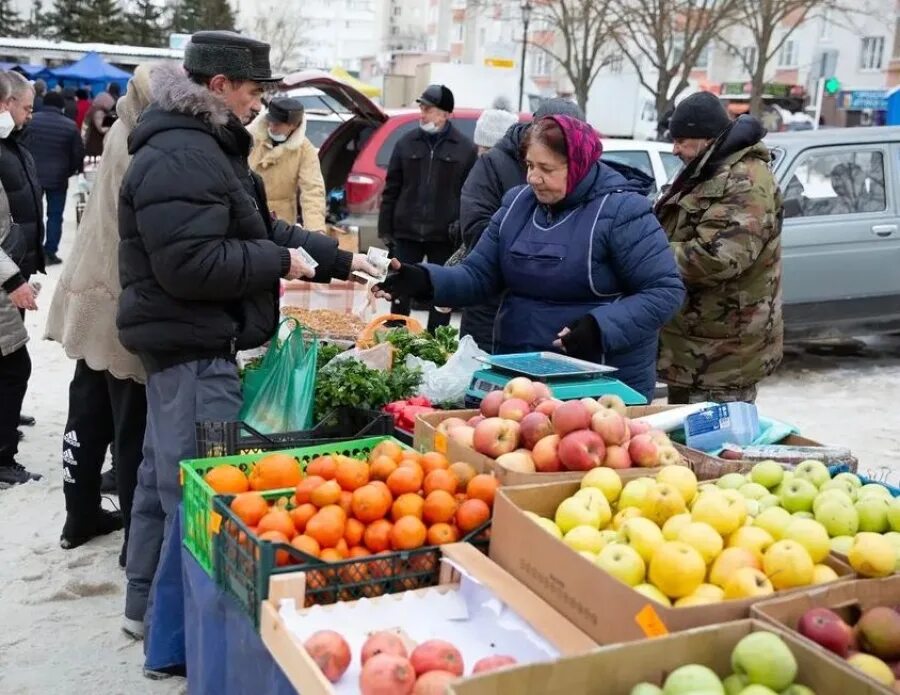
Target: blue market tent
[92,70]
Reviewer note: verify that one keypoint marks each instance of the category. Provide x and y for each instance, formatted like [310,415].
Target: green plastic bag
[279,394]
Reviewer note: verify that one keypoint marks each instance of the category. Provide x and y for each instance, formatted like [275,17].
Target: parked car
[649,156]
[841,235]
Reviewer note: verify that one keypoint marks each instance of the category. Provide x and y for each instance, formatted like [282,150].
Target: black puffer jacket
[424,180]
[200,257]
[496,172]
[26,199]
[55,144]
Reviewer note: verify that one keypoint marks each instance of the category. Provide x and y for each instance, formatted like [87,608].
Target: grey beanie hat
[557,106]
[492,125]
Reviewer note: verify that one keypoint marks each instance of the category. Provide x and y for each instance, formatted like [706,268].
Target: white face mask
[7,124]
[277,137]
[429,128]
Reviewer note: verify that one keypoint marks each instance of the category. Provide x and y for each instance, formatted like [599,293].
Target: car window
[671,164]
[836,182]
[318,130]
[633,158]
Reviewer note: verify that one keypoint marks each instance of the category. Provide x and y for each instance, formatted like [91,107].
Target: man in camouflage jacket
[723,216]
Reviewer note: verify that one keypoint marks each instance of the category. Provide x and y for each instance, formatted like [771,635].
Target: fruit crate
[244,565]
[197,495]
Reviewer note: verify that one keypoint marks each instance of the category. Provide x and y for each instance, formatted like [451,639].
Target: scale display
[546,365]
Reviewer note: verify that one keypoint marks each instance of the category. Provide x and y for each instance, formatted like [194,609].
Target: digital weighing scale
[568,378]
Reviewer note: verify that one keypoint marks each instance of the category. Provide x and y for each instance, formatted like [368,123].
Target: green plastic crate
[244,564]
[197,495]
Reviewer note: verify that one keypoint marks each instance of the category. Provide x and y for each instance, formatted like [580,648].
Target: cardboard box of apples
[854,622]
[628,560]
[413,643]
[746,657]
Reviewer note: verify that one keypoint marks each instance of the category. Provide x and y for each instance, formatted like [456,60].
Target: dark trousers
[437,252]
[684,396]
[56,206]
[15,369]
[104,412]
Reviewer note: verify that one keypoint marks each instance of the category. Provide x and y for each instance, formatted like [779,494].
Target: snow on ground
[60,610]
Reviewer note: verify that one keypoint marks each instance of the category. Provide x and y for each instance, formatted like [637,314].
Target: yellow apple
[729,562]
[622,562]
[634,491]
[584,538]
[703,538]
[775,520]
[696,599]
[653,594]
[724,514]
[752,538]
[682,478]
[873,667]
[710,590]
[604,479]
[662,502]
[550,527]
[642,535]
[811,535]
[676,569]
[822,574]
[624,515]
[787,564]
[872,555]
[748,582]
[674,524]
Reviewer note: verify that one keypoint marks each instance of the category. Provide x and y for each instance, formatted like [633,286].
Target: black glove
[583,339]
[407,281]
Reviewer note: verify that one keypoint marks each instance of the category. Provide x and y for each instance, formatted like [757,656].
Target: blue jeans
[56,205]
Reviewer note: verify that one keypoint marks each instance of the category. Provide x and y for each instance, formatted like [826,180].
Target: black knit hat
[439,96]
[701,115]
[285,110]
[226,53]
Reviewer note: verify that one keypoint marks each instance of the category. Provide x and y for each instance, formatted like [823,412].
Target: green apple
[841,544]
[851,478]
[842,485]
[765,659]
[803,515]
[811,535]
[873,489]
[758,690]
[774,520]
[653,594]
[734,684]
[550,527]
[642,535]
[604,479]
[752,509]
[797,689]
[873,513]
[634,492]
[646,689]
[622,562]
[583,509]
[769,500]
[586,538]
[769,474]
[731,481]
[798,495]
[832,494]
[691,679]
[894,514]
[838,517]
[609,536]
[815,472]
[753,491]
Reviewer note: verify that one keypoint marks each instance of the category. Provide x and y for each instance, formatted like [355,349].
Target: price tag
[215,522]
[649,621]
[440,442]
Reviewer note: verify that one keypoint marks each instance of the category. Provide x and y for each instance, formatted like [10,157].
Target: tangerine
[323,466]
[305,488]
[377,536]
[438,534]
[440,507]
[345,501]
[301,515]
[472,514]
[387,448]
[353,532]
[327,529]
[404,480]
[382,467]
[327,493]
[352,474]
[408,533]
[370,503]
[277,520]
[275,471]
[227,480]
[335,510]
[410,455]
[331,555]
[483,487]
[434,461]
[464,472]
[408,504]
[250,507]
[306,544]
[282,557]
[440,479]
[342,547]
[359,551]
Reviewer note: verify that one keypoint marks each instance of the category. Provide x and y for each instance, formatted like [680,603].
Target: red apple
[617,457]
[827,629]
[541,391]
[496,436]
[547,406]
[591,405]
[581,450]
[638,427]
[473,421]
[544,453]
[490,404]
[571,416]
[534,427]
[518,461]
[611,426]
[643,451]
[520,387]
[445,426]
[492,663]
[464,435]
[514,409]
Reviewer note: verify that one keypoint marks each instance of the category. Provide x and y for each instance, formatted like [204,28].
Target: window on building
[871,53]
[787,56]
[703,57]
[540,62]
[460,32]
[677,51]
[748,57]
[397,10]
[615,63]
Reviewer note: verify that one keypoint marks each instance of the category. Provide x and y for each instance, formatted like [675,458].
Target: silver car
[841,236]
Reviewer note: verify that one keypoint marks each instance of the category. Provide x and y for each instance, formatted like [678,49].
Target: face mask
[429,128]
[277,137]
[7,124]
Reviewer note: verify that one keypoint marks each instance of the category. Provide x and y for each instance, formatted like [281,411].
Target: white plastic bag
[378,357]
[448,384]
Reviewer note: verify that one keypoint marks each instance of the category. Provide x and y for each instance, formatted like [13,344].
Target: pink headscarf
[583,148]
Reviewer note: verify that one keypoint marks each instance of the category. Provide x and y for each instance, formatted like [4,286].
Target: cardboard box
[616,670]
[848,599]
[287,650]
[605,608]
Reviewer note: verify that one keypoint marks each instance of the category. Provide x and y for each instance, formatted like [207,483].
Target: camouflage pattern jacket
[723,218]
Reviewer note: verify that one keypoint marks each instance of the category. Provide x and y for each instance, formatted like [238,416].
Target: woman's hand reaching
[581,339]
[404,280]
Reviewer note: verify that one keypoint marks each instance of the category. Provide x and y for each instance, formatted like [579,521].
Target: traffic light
[832,85]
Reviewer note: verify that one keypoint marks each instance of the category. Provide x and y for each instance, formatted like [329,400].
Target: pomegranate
[433,683]
[331,653]
[383,643]
[387,674]
[436,655]
[492,663]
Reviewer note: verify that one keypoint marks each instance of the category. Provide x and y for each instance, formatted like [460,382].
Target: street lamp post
[525,6]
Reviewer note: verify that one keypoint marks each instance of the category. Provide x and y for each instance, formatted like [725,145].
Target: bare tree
[283,27]
[669,36]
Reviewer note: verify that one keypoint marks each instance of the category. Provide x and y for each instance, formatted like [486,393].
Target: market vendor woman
[585,266]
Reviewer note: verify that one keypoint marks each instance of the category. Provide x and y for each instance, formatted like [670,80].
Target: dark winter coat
[26,199]
[497,171]
[200,257]
[56,145]
[424,181]
[599,253]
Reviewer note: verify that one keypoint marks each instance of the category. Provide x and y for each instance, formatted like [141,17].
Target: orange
[381,467]
[227,480]
[331,555]
[433,461]
[250,507]
[483,487]
[326,529]
[440,507]
[438,534]
[390,449]
[440,479]
[301,515]
[472,514]
[353,532]
[404,480]
[306,544]
[410,455]
[305,488]
[408,533]
[342,547]
[275,471]
[377,536]
[336,512]
[281,556]
[359,551]
[345,501]
[352,474]
[323,466]
[409,504]
[327,493]
[370,503]
[464,472]
[277,520]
